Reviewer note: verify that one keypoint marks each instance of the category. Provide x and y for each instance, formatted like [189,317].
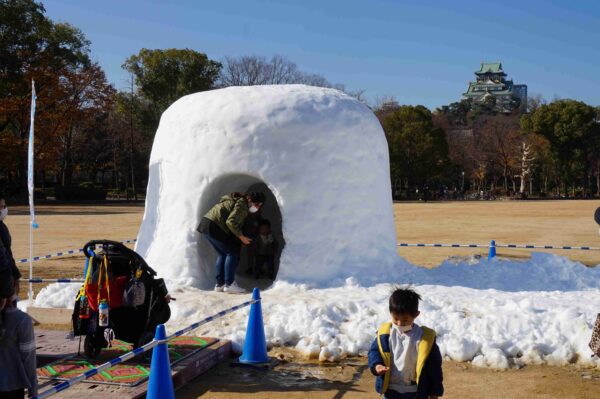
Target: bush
[83,192]
[39,194]
[119,194]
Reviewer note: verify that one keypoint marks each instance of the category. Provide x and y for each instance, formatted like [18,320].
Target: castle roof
[490,67]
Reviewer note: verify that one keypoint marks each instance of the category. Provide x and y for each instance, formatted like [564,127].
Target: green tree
[163,76]
[418,149]
[457,112]
[573,132]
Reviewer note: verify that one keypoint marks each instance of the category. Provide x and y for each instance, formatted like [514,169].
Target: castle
[492,88]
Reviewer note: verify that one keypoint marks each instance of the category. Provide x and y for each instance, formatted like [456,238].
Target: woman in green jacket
[222,227]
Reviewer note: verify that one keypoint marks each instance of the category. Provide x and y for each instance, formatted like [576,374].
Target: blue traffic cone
[255,346]
[492,253]
[160,385]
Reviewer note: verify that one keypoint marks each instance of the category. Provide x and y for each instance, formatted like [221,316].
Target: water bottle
[84,308]
[103,314]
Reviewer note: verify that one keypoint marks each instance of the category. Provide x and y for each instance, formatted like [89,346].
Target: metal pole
[30,293]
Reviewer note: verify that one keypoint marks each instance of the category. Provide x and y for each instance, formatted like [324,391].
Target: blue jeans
[227,260]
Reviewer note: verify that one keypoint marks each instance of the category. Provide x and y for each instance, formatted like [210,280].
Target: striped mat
[130,373]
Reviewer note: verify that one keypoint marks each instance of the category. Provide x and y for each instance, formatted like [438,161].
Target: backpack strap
[104,267]
[87,277]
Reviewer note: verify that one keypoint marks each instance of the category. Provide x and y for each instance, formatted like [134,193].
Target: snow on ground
[497,314]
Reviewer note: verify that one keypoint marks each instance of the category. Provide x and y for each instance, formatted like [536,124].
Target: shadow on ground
[227,379]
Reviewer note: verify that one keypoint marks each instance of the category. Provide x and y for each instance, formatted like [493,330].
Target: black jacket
[6,240]
[7,285]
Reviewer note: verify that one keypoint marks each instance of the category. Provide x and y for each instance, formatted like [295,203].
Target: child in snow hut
[404,356]
[265,248]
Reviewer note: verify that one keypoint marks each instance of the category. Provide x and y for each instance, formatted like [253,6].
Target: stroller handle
[115,245]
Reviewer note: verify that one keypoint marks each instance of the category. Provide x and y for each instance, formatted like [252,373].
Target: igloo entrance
[225,185]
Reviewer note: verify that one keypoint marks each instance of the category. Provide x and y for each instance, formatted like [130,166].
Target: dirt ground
[352,380]
[544,222]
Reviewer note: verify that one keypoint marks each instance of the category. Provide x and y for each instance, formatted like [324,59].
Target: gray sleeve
[27,350]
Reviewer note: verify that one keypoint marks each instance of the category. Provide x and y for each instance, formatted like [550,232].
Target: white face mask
[3,214]
[405,329]
[253,209]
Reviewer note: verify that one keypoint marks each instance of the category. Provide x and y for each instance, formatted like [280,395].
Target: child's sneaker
[219,288]
[234,289]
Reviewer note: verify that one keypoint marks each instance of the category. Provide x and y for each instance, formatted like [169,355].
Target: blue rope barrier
[517,246]
[63,253]
[51,280]
[138,351]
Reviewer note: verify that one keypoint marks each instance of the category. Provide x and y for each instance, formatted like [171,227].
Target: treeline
[467,150]
[92,139]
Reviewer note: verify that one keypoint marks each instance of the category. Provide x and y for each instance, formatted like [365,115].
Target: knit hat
[257,197]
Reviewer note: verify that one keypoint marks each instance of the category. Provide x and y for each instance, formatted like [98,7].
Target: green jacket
[229,214]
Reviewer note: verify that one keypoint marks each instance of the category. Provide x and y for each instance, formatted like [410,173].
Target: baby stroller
[120,298]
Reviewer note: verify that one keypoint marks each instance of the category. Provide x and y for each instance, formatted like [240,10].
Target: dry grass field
[543,222]
[507,222]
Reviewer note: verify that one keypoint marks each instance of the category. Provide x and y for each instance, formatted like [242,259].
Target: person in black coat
[6,241]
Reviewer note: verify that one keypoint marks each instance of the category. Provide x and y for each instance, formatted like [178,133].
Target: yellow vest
[423,350]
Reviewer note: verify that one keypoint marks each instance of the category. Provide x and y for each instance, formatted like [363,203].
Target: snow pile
[488,327]
[541,272]
[496,314]
[322,155]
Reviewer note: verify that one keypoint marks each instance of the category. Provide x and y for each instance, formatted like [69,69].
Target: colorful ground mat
[130,373]
[122,374]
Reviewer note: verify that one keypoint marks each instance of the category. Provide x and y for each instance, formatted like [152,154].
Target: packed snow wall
[323,157]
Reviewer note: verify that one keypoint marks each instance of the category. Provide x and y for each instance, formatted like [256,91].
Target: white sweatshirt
[404,353]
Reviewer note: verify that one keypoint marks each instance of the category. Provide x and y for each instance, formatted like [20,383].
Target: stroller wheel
[144,339]
[90,348]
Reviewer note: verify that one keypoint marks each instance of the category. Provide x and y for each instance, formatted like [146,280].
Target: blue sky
[419,51]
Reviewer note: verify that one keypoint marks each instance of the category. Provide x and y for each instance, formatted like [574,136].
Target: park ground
[537,222]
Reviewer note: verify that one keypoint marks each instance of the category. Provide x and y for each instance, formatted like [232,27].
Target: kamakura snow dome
[319,155]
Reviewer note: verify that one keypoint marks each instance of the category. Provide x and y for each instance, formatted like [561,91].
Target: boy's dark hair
[2,196]
[265,222]
[256,196]
[404,300]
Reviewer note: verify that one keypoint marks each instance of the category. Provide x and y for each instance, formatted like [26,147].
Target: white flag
[30,185]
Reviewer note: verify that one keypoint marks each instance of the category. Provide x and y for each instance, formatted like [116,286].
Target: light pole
[462,182]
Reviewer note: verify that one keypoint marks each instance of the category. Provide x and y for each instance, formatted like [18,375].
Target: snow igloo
[319,155]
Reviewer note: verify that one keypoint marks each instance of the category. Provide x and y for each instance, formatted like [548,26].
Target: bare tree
[534,102]
[385,103]
[500,144]
[526,159]
[252,70]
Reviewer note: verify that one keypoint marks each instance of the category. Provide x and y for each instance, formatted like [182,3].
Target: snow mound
[320,155]
[488,327]
[497,314]
[541,272]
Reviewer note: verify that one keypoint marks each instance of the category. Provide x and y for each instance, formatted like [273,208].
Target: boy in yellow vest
[404,356]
